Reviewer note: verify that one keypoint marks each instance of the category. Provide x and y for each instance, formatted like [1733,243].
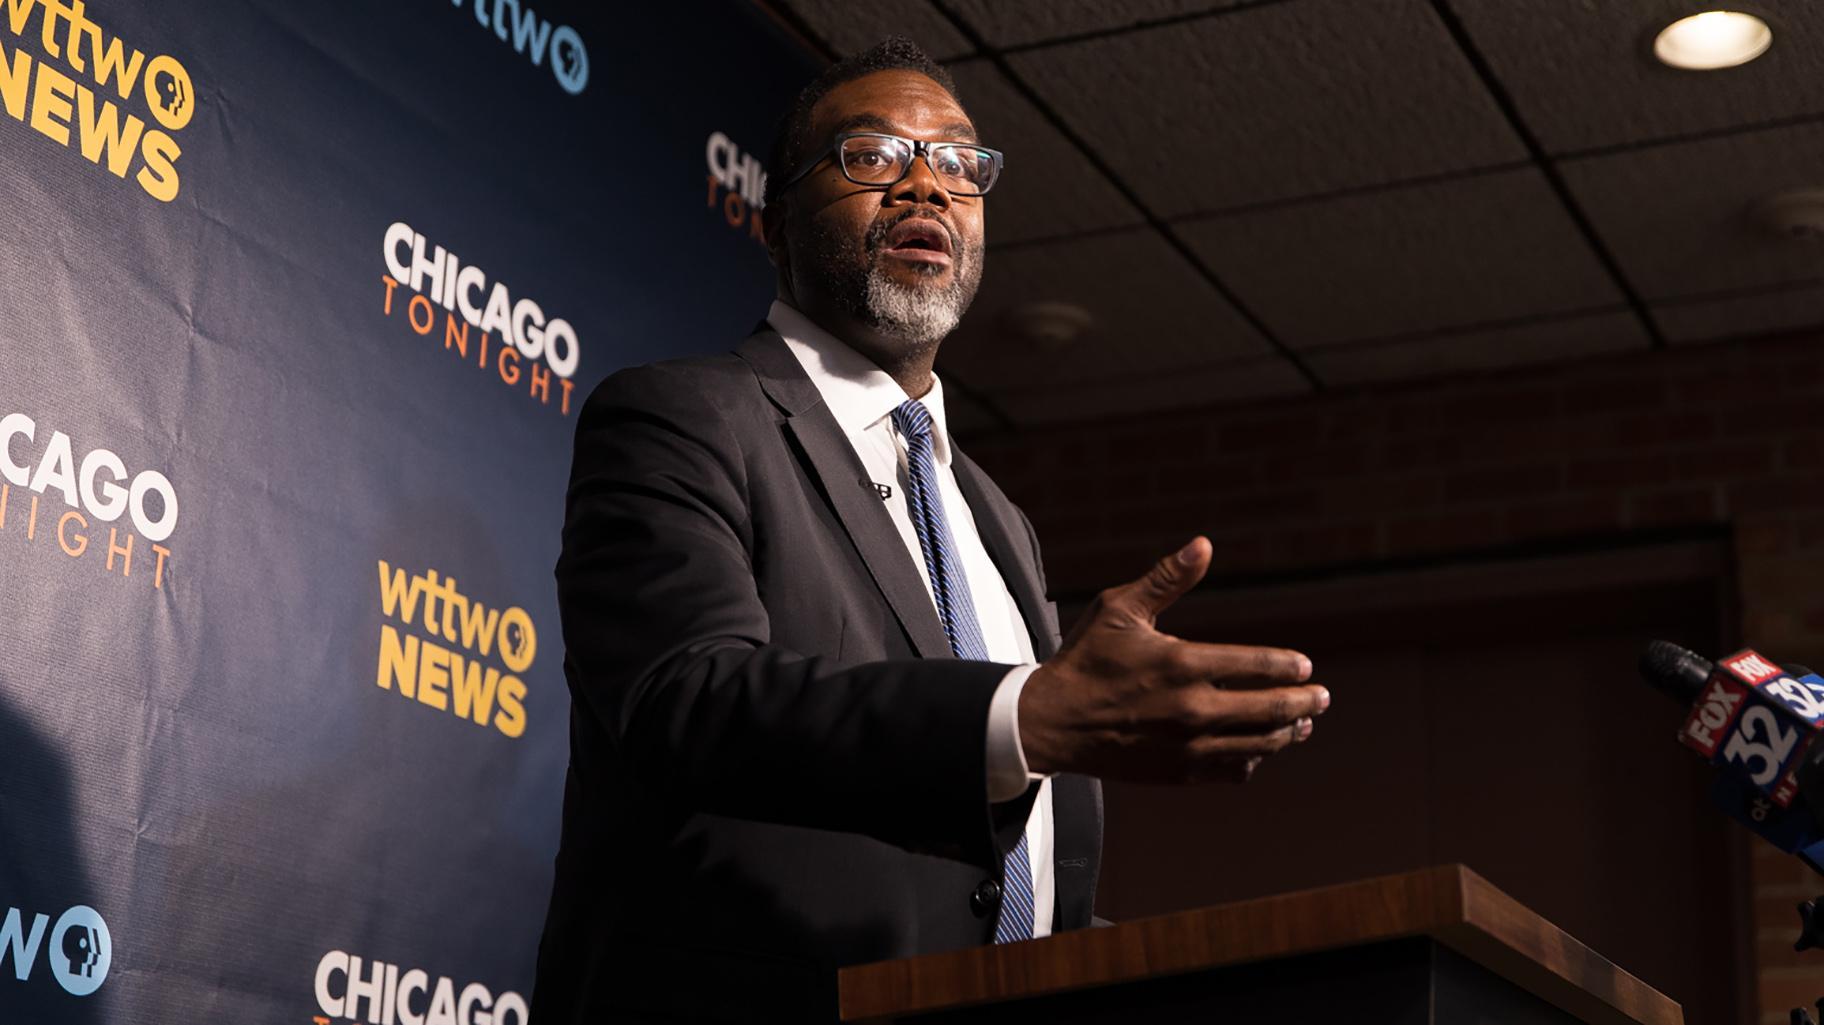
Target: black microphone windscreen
[1674,670]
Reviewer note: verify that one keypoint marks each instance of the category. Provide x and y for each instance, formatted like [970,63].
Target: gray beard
[919,315]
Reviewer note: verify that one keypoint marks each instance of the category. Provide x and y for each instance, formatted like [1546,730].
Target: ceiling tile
[1677,217]
[1150,312]
[1483,350]
[1048,188]
[1490,247]
[850,26]
[1713,320]
[1018,22]
[1266,377]
[1275,102]
[1583,74]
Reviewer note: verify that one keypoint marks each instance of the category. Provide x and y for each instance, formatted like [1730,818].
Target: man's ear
[772,224]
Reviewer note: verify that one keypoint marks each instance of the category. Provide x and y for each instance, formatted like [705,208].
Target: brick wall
[1728,435]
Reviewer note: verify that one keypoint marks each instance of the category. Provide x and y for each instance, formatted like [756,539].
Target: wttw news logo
[79,952]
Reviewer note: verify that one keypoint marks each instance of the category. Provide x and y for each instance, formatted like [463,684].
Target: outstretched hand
[1120,700]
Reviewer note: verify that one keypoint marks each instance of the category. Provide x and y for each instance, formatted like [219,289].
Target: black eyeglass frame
[920,148]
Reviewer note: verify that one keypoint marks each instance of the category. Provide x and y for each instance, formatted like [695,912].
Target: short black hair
[791,142]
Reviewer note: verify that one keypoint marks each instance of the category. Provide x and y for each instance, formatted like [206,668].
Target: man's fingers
[1254,712]
[1169,578]
[1255,745]
[1236,663]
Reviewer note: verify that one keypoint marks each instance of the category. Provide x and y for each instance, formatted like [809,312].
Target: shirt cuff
[1008,774]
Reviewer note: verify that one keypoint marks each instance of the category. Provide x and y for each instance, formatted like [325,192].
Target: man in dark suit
[822,713]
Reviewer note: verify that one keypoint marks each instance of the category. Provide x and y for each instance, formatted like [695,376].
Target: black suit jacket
[776,767]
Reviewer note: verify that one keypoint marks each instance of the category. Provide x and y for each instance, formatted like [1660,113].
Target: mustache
[877,232]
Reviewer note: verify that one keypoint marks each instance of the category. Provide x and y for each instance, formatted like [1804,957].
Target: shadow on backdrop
[43,873]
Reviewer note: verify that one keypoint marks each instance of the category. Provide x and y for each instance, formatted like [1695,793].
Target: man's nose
[920,185]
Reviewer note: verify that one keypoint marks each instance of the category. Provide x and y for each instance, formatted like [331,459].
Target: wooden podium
[1436,947]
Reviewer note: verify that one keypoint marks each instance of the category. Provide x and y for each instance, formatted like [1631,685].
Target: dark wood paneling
[1508,732]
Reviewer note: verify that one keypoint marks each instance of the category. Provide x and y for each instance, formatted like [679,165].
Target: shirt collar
[858,392]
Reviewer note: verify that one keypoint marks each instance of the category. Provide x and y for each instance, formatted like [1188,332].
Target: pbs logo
[569,59]
[81,950]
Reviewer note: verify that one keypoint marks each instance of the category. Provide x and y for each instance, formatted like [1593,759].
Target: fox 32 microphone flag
[299,303]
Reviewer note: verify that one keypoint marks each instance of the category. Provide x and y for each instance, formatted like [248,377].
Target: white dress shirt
[862,398]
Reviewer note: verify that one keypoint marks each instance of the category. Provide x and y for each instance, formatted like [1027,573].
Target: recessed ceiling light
[1797,214]
[1713,39]
[1047,323]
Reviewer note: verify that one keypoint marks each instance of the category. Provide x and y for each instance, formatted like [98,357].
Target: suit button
[985,898]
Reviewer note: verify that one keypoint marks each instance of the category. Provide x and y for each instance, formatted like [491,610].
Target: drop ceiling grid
[1478,280]
[1388,276]
[1014,23]
[848,26]
[1153,314]
[1583,77]
[1457,254]
[1275,103]
[1787,308]
[1697,234]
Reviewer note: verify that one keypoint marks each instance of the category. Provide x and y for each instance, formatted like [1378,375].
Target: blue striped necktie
[950,588]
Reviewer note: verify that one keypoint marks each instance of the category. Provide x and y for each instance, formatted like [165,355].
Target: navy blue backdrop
[298,303]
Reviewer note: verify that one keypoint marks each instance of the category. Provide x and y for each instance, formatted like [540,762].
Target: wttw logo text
[531,35]
[80,951]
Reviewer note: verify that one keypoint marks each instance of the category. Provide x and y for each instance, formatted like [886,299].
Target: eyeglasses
[878,160]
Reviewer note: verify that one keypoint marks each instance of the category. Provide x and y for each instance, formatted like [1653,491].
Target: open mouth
[918,240]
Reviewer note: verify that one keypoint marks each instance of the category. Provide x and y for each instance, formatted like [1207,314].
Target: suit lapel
[845,483]
[998,525]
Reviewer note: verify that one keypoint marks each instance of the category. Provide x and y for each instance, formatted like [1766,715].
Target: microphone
[1674,671]
[1755,720]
